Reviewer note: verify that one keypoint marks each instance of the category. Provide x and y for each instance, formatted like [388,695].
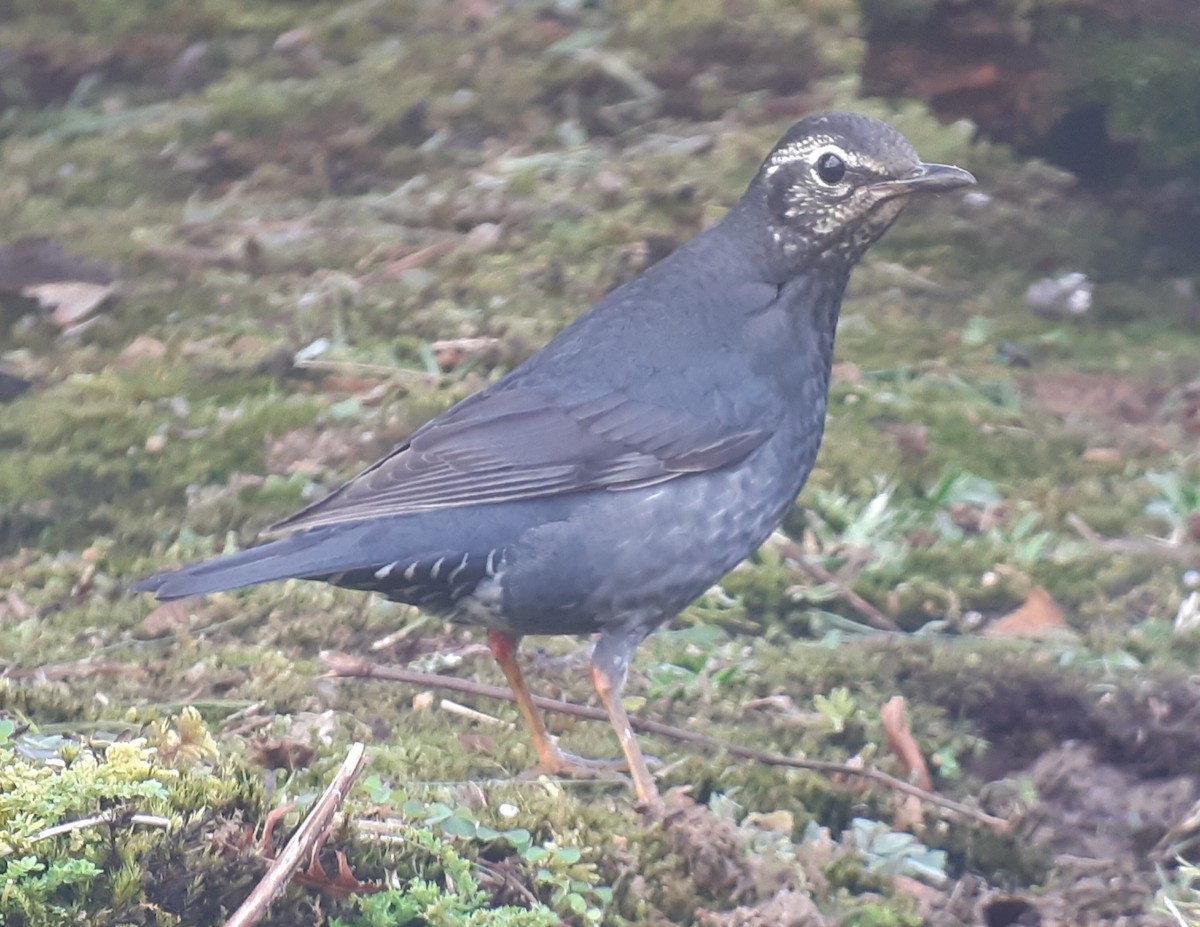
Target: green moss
[265,207]
[55,876]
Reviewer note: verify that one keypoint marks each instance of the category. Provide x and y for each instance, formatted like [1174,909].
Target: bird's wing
[520,443]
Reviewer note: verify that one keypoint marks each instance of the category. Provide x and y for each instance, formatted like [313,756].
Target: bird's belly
[638,557]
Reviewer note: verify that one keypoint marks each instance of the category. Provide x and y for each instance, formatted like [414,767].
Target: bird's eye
[830,168]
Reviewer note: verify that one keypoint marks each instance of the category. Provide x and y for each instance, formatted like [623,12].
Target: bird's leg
[551,759]
[610,665]
[504,649]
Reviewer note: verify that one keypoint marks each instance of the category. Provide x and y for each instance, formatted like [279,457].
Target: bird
[653,444]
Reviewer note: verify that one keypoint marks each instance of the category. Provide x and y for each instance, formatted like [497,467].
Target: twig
[1187,554]
[1085,531]
[302,843]
[71,826]
[621,71]
[1172,908]
[108,817]
[356,367]
[875,618]
[456,709]
[509,882]
[344,666]
[912,278]
[382,831]
[252,708]
[387,641]
[76,669]
[150,820]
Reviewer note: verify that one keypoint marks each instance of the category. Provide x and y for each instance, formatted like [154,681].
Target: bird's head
[835,182]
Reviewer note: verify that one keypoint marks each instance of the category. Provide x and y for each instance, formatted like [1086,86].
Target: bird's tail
[308,554]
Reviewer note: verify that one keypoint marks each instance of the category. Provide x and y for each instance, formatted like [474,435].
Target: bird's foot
[570,766]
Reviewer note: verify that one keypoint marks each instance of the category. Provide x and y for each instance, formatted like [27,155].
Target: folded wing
[521,443]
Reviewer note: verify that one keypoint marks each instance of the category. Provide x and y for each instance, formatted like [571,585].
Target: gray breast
[638,557]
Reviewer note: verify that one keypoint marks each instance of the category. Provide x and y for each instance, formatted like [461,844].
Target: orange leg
[609,690]
[504,649]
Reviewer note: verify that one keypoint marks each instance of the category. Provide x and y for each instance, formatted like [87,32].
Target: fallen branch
[342,665]
[303,843]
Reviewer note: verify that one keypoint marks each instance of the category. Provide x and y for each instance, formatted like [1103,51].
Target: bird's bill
[928,178]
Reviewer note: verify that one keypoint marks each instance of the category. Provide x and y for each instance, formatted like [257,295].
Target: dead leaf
[75,670]
[274,816]
[169,618]
[282,753]
[294,41]
[342,886]
[421,257]
[194,258]
[141,349]
[453,352]
[484,237]
[848,373]
[1038,618]
[475,13]
[902,742]
[15,607]
[1102,455]
[782,822]
[925,895]
[912,440]
[782,703]
[1097,397]
[366,390]
[477,743]
[977,519]
[71,302]
[247,346]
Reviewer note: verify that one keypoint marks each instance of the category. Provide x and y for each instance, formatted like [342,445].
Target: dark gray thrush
[629,464]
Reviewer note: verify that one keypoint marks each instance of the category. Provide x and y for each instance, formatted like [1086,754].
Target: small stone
[422,701]
[1068,295]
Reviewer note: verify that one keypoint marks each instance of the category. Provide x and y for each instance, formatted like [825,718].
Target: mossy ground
[389,174]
